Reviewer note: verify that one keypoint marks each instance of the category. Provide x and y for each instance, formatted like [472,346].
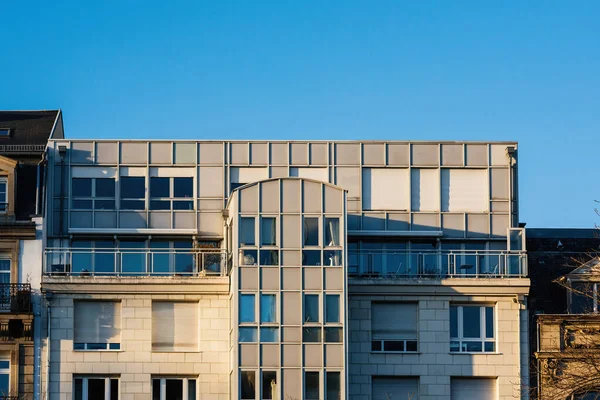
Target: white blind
[465,190]
[319,174]
[248,175]
[394,320]
[385,188]
[174,326]
[425,189]
[473,389]
[385,388]
[97,322]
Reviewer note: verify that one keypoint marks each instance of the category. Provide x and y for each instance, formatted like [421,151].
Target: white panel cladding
[465,190]
[385,388]
[319,174]
[97,322]
[133,171]
[174,326]
[248,175]
[425,189]
[392,320]
[473,389]
[385,188]
[93,172]
[168,172]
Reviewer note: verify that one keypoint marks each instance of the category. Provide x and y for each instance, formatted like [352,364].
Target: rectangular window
[269,334]
[333,335]
[311,308]
[3,194]
[173,193]
[472,329]
[247,310]
[247,385]
[4,132]
[4,375]
[247,232]
[387,387]
[269,385]
[332,308]
[333,386]
[465,190]
[385,188]
[268,308]
[95,388]
[97,325]
[248,335]
[268,232]
[93,193]
[332,232]
[311,335]
[473,389]
[173,388]
[311,386]
[5,273]
[394,327]
[174,326]
[311,231]
[133,192]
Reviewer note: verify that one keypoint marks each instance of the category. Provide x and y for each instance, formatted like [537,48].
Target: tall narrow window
[472,329]
[104,195]
[5,271]
[334,386]
[133,192]
[248,385]
[311,308]
[332,232]
[311,231]
[95,387]
[97,325]
[247,231]
[247,313]
[269,385]
[268,308]
[171,193]
[332,308]
[81,194]
[3,194]
[268,232]
[311,386]
[173,388]
[4,375]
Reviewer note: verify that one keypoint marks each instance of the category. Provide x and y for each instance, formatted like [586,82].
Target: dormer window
[4,132]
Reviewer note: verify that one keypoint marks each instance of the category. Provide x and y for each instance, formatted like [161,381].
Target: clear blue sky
[440,70]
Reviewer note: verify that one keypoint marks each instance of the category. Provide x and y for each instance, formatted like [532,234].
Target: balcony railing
[15,297]
[135,262]
[438,264]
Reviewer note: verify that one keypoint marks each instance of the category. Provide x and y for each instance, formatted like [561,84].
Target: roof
[592,267]
[28,127]
[562,233]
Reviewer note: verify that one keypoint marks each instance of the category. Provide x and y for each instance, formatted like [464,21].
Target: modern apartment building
[284,270]
[23,138]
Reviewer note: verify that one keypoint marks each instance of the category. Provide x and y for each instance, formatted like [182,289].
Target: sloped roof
[591,267]
[28,127]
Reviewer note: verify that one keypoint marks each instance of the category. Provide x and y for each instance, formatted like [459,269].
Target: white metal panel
[386,388]
[319,174]
[385,188]
[133,171]
[97,322]
[93,172]
[394,320]
[248,175]
[473,389]
[465,190]
[425,189]
[168,172]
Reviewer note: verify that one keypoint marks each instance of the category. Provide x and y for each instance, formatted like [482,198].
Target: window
[311,308]
[96,388]
[4,376]
[247,313]
[247,231]
[311,257]
[173,388]
[584,298]
[332,308]
[332,232]
[333,386]
[384,388]
[472,329]
[93,257]
[97,325]
[465,190]
[268,232]
[333,335]
[311,231]
[172,257]
[268,308]
[269,334]
[247,385]
[269,385]
[4,270]
[173,193]
[133,192]
[311,334]
[394,327]
[473,389]
[93,193]
[4,132]
[385,188]
[134,260]
[247,335]
[311,386]
[3,194]
[174,326]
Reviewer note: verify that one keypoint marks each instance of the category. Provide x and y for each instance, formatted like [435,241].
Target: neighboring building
[23,138]
[284,270]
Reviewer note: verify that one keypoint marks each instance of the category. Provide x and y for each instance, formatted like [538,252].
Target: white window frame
[84,386]
[185,385]
[4,201]
[404,342]
[482,329]
[6,371]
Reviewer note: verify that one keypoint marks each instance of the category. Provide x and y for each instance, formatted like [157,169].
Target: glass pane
[184,259]
[183,205]
[332,308]
[269,257]
[333,335]
[247,231]
[582,298]
[96,389]
[105,187]
[332,232]
[133,258]
[247,308]
[175,389]
[114,346]
[155,389]
[334,387]
[453,321]
[114,389]
[376,345]
[411,345]
[489,322]
[472,346]
[332,258]
[269,385]
[311,308]
[81,257]
[311,385]
[160,205]
[455,346]
[471,322]
[268,234]
[159,257]
[104,258]
[183,187]
[268,308]
[248,385]
[133,205]
[191,389]
[393,345]
[78,386]
[311,335]
[269,334]
[490,346]
[133,187]
[311,257]
[248,257]
[78,346]
[82,204]
[248,335]
[311,231]
[104,204]
[159,187]
[81,187]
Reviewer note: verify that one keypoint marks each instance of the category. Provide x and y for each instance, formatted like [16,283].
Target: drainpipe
[47,388]
[62,150]
[38,184]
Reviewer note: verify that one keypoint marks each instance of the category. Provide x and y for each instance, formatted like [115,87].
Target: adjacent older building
[23,138]
[284,270]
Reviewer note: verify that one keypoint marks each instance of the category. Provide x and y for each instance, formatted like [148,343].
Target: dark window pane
[183,205]
[311,385]
[268,308]
[115,346]
[334,387]
[582,298]
[311,308]
[105,187]
[311,257]
[269,335]
[489,322]
[114,389]
[159,187]
[82,204]
[104,204]
[248,257]
[78,346]
[376,345]
[192,389]
[95,389]
[248,335]
[455,346]
[268,234]
[311,231]
[78,388]
[133,187]
[332,258]
[133,258]
[393,345]
[81,187]
[269,385]
[97,346]
[332,232]
[490,346]
[175,389]
[160,205]
[411,345]
[235,185]
[333,335]
[471,322]
[155,389]
[453,321]
[104,258]
[312,335]
[133,205]
[269,257]
[247,231]
[247,313]
[248,385]
[332,308]
[472,346]
[183,187]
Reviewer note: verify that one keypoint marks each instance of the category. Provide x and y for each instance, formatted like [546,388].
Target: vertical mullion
[163,389]
[84,388]
[185,394]
[107,389]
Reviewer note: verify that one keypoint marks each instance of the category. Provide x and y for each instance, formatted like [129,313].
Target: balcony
[438,264]
[15,297]
[81,262]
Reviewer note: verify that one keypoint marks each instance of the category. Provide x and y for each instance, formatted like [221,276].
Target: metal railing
[438,264]
[22,148]
[135,262]
[15,297]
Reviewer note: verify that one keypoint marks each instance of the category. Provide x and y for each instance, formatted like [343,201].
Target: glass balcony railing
[135,262]
[438,264]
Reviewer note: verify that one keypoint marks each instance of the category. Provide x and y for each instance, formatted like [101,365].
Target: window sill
[485,353]
[397,352]
[98,351]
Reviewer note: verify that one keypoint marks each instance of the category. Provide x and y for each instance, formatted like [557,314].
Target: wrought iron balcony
[438,264]
[135,262]
[15,297]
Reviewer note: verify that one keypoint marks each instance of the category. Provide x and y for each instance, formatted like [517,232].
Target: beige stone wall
[136,363]
[26,371]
